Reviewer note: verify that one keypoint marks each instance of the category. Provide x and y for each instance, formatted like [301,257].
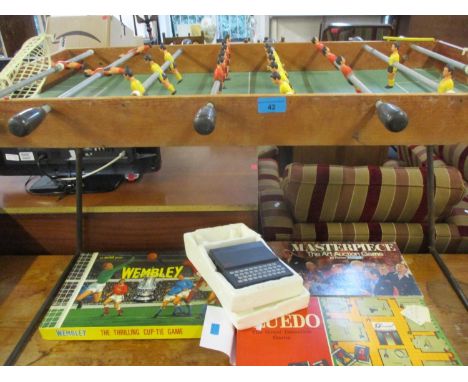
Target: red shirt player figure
[219,74]
[224,66]
[318,45]
[227,49]
[329,55]
[347,71]
[118,292]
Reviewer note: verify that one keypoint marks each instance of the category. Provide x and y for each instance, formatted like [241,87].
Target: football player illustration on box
[97,287]
[119,290]
[178,293]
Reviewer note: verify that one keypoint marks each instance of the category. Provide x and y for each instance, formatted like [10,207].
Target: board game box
[350,331]
[349,269]
[137,295]
[292,340]
[388,331]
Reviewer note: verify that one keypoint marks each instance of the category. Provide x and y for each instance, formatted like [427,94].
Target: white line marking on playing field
[248,89]
[402,88]
[100,92]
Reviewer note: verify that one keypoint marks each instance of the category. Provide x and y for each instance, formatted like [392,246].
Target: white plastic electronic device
[253,304]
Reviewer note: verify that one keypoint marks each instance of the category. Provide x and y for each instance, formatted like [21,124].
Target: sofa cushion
[324,193]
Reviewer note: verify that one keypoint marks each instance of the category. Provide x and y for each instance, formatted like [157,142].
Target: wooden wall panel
[55,233]
[15,31]
[451,28]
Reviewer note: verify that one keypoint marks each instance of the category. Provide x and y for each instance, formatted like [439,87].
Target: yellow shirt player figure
[135,85]
[446,84]
[172,66]
[284,86]
[155,68]
[391,69]
[274,68]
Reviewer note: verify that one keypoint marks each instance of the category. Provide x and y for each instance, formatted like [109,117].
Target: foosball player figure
[228,42]
[224,66]
[329,55]
[227,49]
[346,71]
[162,77]
[172,66]
[219,74]
[284,86]
[391,69]
[135,85]
[118,292]
[70,65]
[318,45]
[275,58]
[114,70]
[274,68]
[446,84]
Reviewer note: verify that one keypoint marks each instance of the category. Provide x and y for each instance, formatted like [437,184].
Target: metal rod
[432,85]
[431,229]
[215,88]
[357,82]
[77,88]
[415,39]
[32,327]
[451,45]
[79,200]
[430,180]
[456,64]
[41,75]
[449,276]
[152,79]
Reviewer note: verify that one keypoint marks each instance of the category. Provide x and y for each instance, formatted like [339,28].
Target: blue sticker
[272,105]
[214,329]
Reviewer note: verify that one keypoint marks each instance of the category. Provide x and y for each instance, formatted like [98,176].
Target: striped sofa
[444,155]
[368,203]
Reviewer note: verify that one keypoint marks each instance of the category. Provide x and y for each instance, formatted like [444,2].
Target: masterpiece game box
[349,269]
[137,295]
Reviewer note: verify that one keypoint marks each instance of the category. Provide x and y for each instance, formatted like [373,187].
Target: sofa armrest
[416,155]
[268,174]
[275,219]
[459,214]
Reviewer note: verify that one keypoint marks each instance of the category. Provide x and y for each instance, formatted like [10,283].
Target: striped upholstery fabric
[416,156]
[456,156]
[275,219]
[277,222]
[394,163]
[324,193]
[459,215]
[409,237]
[268,176]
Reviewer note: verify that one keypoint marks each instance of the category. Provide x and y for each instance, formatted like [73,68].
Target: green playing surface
[254,83]
[132,316]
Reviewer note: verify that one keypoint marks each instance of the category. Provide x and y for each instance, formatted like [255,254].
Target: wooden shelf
[25,282]
[196,187]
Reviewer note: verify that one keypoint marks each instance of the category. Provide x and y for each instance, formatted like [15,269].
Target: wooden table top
[25,281]
[190,179]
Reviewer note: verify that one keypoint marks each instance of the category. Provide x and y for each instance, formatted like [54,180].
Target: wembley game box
[137,295]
